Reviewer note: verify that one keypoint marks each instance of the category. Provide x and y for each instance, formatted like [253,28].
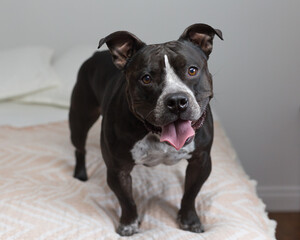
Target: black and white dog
[155,105]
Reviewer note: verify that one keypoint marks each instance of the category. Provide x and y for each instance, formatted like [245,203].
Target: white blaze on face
[174,84]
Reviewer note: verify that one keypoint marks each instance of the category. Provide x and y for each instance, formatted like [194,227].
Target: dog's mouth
[178,133]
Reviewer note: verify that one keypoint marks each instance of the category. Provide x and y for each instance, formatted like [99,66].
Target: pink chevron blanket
[39,198]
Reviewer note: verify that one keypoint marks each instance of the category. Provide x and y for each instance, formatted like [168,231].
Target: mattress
[41,200]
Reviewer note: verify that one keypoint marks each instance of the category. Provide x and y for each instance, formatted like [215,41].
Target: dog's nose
[177,102]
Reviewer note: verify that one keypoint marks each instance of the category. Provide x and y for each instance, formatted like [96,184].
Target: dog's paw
[190,222]
[128,230]
[196,227]
[81,175]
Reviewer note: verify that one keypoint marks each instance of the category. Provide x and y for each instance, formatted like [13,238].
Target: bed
[41,200]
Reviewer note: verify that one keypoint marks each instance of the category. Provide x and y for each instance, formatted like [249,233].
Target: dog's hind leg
[84,112]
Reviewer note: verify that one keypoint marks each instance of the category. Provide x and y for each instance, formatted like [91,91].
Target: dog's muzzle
[179,132]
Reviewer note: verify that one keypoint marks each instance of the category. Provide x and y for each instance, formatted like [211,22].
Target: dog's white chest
[150,151]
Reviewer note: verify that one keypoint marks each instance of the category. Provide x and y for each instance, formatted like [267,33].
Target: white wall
[256,69]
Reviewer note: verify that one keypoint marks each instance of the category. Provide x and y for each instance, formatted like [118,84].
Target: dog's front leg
[197,172]
[121,184]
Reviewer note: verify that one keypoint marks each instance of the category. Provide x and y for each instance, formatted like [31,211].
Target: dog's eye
[146,79]
[192,71]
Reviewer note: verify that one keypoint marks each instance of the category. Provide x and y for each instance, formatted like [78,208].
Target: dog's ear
[201,35]
[122,45]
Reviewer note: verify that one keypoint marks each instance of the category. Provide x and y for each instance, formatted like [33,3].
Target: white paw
[128,230]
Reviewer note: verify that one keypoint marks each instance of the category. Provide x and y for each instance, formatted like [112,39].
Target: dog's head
[168,85]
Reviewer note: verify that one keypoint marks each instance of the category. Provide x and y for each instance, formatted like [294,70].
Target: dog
[155,105]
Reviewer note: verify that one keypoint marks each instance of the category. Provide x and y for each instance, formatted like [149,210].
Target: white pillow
[25,70]
[66,66]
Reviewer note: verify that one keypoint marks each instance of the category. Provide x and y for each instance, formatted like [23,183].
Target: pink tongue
[177,133]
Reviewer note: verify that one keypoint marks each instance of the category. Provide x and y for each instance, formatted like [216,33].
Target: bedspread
[41,200]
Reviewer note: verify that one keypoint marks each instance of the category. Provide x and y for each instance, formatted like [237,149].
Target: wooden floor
[288,225]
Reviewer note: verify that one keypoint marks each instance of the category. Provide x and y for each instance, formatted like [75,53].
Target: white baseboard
[280,198]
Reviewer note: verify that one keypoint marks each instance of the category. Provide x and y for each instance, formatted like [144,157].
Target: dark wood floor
[288,225]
